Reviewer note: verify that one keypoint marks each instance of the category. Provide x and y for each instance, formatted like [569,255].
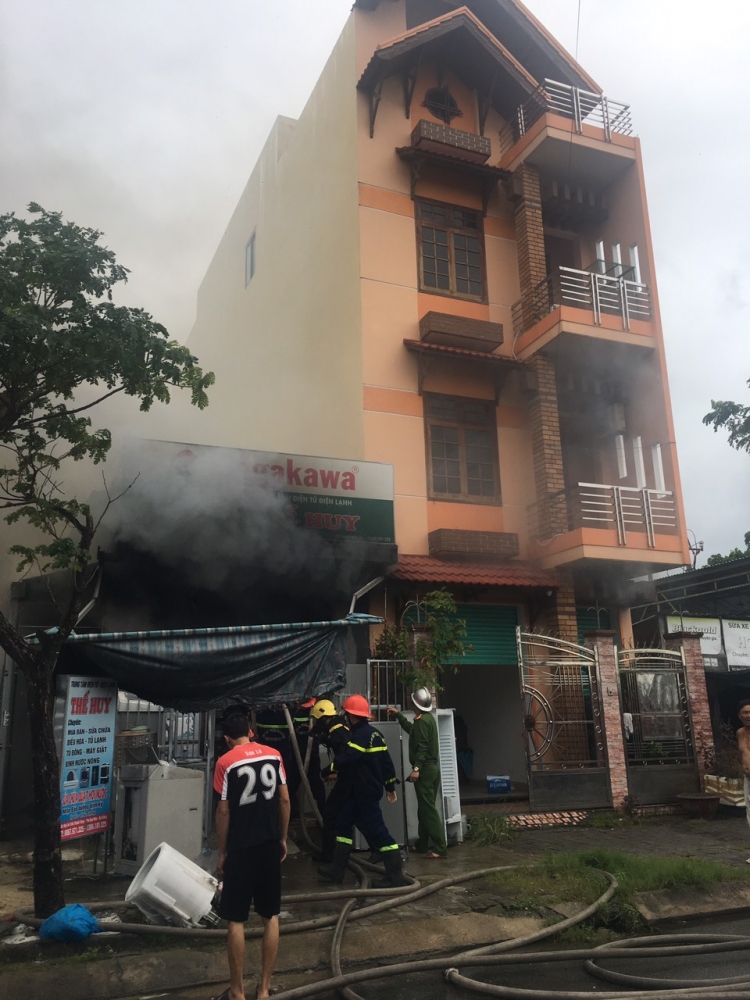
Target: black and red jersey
[248,777]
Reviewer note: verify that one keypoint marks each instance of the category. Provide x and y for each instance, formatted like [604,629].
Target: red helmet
[356,704]
[309,703]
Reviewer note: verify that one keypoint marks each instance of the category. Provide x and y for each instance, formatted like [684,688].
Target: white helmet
[422,699]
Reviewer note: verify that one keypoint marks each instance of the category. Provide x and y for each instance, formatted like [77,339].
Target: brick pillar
[611,715]
[695,680]
[558,614]
[544,419]
[532,263]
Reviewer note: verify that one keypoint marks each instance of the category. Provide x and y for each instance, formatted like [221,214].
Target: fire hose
[493,955]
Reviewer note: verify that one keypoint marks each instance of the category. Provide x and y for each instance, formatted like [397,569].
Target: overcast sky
[143,119]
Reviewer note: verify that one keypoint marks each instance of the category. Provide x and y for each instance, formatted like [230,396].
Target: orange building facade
[482,314]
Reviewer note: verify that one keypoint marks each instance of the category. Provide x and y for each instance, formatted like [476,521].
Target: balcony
[584,298]
[582,107]
[593,519]
[436,138]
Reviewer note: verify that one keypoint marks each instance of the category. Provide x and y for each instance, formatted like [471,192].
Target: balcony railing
[595,505]
[598,293]
[582,106]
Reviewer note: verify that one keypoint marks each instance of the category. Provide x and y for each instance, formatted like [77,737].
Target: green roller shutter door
[491,631]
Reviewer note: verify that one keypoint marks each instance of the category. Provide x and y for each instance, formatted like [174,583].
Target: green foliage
[487,829]
[393,643]
[576,876]
[61,333]
[442,644]
[732,417]
[718,560]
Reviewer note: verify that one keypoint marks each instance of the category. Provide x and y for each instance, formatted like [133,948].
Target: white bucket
[170,889]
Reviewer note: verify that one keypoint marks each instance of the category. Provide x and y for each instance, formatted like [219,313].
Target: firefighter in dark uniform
[272,730]
[301,720]
[367,765]
[332,730]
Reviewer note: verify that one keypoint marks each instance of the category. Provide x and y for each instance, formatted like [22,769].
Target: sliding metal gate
[657,728]
[565,752]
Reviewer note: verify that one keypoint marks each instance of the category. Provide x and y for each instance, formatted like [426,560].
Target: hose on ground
[502,953]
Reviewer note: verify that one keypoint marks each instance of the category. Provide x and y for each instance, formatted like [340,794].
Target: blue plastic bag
[72,923]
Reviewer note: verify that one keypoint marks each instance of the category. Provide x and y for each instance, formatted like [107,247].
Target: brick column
[602,642]
[549,478]
[695,679]
[532,264]
[558,613]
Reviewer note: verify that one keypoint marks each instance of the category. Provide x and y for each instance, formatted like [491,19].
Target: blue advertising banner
[87,750]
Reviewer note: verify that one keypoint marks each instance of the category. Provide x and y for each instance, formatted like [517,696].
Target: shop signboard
[710,627]
[342,500]
[86,760]
[737,643]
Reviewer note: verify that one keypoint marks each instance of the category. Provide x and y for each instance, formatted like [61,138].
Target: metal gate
[565,753]
[657,728]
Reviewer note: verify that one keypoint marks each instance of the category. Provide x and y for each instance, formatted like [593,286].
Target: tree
[442,643]
[717,560]
[61,333]
[733,417]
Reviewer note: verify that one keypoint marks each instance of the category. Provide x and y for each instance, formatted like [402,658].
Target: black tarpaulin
[198,669]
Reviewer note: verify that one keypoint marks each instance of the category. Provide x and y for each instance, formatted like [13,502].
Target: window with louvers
[451,246]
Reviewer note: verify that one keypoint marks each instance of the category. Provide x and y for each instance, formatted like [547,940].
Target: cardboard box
[498,784]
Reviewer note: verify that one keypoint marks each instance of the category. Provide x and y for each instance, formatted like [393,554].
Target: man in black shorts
[252,819]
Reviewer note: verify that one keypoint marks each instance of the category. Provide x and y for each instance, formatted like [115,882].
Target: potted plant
[723,767]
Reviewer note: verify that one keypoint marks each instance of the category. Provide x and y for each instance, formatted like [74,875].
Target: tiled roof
[428,348]
[427,569]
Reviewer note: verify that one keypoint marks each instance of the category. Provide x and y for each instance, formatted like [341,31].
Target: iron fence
[583,107]
[655,708]
[597,505]
[597,293]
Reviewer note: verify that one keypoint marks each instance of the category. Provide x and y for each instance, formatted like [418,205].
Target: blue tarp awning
[198,669]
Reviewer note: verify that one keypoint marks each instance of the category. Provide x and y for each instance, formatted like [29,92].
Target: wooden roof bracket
[415,166]
[423,364]
[410,83]
[375,95]
[485,103]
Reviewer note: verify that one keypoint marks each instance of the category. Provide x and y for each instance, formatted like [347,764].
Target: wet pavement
[725,840]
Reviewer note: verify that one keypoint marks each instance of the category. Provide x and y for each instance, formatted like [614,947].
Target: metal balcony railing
[597,293]
[595,505]
[583,106]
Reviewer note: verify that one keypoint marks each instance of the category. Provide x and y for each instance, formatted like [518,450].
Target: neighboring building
[446,264]
[715,602]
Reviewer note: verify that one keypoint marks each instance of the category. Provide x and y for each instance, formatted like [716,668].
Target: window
[451,250]
[250,260]
[442,104]
[659,481]
[462,449]
[640,466]
[622,460]
[617,260]
[635,263]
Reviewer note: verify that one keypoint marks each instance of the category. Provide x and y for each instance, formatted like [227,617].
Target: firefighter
[366,763]
[273,731]
[301,720]
[332,731]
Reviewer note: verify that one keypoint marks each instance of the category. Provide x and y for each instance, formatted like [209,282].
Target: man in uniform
[331,729]
[424,754]
[252,819]
[365,761]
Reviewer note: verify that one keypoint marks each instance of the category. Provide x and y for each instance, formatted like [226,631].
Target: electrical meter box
[157,803]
